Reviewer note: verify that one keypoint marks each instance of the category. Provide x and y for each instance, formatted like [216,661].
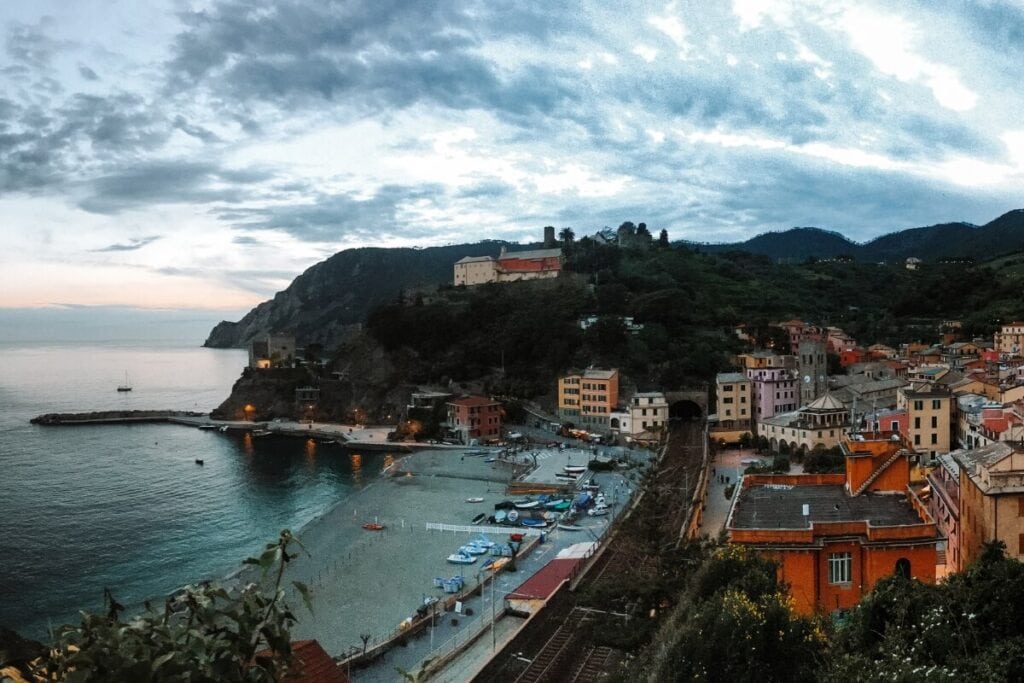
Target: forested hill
[332,295]
[1003,235]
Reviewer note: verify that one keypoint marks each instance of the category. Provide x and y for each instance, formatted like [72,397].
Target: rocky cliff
[331,299]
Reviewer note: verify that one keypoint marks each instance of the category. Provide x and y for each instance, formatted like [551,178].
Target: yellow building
[929,415]
[1010,339]
[588,399]
[991,499]
[733,406]
[821,424]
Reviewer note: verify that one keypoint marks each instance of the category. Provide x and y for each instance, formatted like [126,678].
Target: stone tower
[549,237]
[813,364]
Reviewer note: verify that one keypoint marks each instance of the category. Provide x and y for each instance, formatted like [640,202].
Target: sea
[126,508]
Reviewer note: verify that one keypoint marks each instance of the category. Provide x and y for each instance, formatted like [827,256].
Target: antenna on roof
[807,514]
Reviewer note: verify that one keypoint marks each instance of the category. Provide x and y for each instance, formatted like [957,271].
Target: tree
[643,235]
[626,233]
[567,236]
[207,633]
[663,238]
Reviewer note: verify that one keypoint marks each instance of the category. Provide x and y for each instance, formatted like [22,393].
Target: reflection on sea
[310,453]
[356,461]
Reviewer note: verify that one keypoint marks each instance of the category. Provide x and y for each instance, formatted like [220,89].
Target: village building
[734,406]
[512,266]
[774,390]
[474,419]
[272,351]
[819,425]
[1009,340]
[648,412]
[991,499]
[812,370]
[943,498]
[587,399]
[834,536]
[930,412]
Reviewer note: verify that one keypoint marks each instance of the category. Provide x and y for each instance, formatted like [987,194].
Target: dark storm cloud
[163,182]
[30,45]
[132,244]
[87,73]
[197,132]
[362,56]
[339,216]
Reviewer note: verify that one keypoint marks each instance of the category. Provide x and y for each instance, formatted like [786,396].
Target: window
[935,422]
[1020,506]
[917,423]
[935,438]
[917,439]
[726,387]
[1020,544]
[727,399]
[936,404]
[743,399]
[918,405]
[840,567]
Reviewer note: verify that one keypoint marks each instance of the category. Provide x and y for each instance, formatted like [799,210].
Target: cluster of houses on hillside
[932,438]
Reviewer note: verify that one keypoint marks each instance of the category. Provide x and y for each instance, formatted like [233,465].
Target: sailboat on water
[127,385]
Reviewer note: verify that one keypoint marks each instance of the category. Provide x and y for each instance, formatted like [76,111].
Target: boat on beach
[374,526]
[475,499]
[461,558]
[569,527]
[526,504]
[479,518]
[532,521]
[575,469]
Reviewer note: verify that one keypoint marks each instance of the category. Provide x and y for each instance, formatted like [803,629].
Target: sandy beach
[366,582]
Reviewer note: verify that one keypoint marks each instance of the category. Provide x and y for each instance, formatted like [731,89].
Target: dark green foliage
[206,633]
[735,623]
[821,461]
[970,627]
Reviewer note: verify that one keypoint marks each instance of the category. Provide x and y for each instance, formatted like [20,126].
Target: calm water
[126,507]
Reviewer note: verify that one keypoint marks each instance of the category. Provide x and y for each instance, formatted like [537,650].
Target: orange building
[588,399]
[835,536]
[475,417]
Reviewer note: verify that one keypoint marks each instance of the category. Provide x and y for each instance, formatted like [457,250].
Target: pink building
[774,391]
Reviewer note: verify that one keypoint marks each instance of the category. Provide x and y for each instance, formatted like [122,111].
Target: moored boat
[531,521]
[479,518]
[207,426]
[569,527]
[374,526]
[575,469]
[461,558]
[526,504]
[475,499]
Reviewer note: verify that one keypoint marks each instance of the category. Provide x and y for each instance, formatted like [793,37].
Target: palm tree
[567,236]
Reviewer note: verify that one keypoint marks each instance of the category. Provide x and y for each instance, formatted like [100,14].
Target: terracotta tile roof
[545,582]
[472,402]
[311,664]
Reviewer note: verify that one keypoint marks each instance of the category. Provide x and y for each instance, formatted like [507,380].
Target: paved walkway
[728,464]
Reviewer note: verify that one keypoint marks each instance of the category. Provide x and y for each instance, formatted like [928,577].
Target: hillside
[333,296]
[1000,236]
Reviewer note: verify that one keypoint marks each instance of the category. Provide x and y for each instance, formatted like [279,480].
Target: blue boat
[530,521]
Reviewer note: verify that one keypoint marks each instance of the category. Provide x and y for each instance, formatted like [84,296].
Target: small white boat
[475,499]
[569,527]
[224,428]
[461,558]
[527,505]
[127,386]
[575,469]
[599,511]
[472,549]
[567,475]
[261,432]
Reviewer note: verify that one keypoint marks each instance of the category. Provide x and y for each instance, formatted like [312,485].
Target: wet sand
[367,582]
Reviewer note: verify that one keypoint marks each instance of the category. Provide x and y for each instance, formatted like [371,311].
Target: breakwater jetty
[113,417]
[366,438]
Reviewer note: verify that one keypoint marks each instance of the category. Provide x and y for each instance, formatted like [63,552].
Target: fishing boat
[204,427]
[559,505]
[374,526]
[526,504]
[127,386]
[569,527]
[575,469]
[461,558]
[199,461]
[475,499]
[571,476]
[499,516]
[261,432]
[479,518]
[472,549]
[531,521]
[504,505]
[483,541]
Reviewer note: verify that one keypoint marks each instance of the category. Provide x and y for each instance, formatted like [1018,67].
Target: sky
[186,154]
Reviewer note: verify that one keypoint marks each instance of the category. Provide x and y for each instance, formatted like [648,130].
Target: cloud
[132,245]
[339,217]
[87,73]
[30,45]
[168,182]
